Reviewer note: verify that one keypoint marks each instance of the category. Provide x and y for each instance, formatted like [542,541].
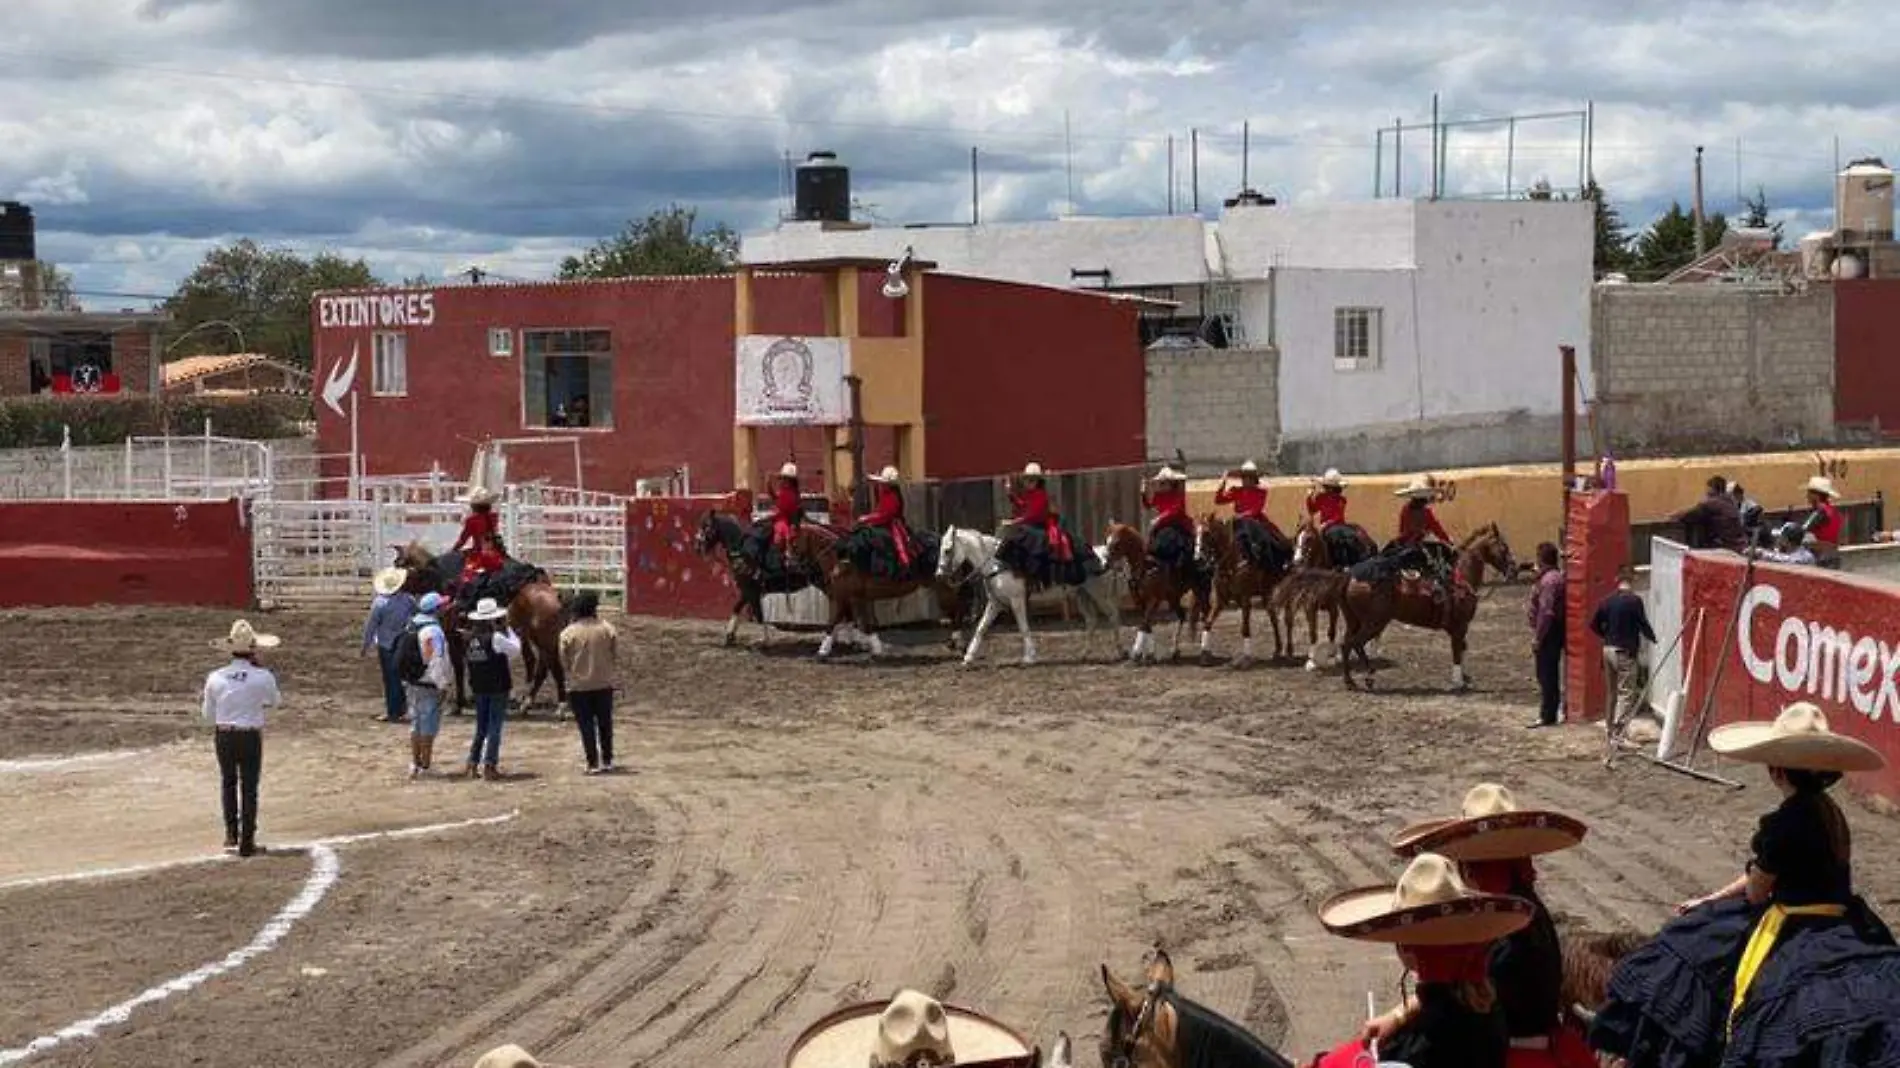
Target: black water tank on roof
[16,231]
[822,190]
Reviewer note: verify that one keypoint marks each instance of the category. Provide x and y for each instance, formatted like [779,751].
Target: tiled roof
[192,368]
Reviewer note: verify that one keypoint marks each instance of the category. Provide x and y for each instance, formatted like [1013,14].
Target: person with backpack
[422,659]
[489,646]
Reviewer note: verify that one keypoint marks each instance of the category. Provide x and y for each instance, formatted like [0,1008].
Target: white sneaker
[415,771]
[607,768]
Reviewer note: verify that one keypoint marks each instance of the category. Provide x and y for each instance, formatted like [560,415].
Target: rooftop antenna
[1194,166]
[1068,158]
[1246,153]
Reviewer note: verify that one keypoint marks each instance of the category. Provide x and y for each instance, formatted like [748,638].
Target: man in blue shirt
[1623,625]
[389,613]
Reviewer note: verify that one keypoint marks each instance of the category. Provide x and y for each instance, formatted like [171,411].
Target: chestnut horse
[852,591]
[1313,569]
[1154,588]
[536,615]
[1237,580]
[1370,606]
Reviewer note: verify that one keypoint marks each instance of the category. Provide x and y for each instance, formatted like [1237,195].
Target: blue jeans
[425,711]
[395,703]
[491,711]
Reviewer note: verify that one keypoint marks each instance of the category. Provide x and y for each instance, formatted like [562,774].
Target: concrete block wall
[1219,407]
[1713,367]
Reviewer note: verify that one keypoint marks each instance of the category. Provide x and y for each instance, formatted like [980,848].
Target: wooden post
[1570,420]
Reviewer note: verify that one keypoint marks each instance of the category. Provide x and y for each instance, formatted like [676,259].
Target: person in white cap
[1036,545]
[887,514]
[1786,965]
[1422,541]
[1825,523]
[1171,533]
[488,648]
[480,538]
[788,506]
[235,697]
[1257,534]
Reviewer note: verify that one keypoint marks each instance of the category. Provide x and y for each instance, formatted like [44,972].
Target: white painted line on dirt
[62,763]
[324,869]
[219,858]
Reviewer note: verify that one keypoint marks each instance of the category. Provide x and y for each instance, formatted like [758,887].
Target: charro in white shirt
[237,694]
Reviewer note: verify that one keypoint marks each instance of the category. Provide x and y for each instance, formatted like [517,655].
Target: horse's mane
[1206,1039]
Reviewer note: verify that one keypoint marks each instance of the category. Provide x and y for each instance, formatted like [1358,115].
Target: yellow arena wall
[1526,500]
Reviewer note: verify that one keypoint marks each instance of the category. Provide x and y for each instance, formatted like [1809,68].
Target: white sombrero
[244,639]
[1420,486]
[389,580]
[1798,738]
[1169,474]
[1250,468]
[487,609]
[889,1034]
[477,495]
[1430,906]
[1491,827]
[1332,479]
[887,476]
[1033,470]
[511,1056]
[788,471]
[1822,485]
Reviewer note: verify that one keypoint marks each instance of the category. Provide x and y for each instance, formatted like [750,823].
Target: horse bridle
[1124,1054]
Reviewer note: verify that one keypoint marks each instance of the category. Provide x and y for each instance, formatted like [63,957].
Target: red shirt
[1827,527]
[1329,507]
[477,530]
[1032,506]
[1417,521]
[888,510]
[786,500]
[1250,502]
[1170,504]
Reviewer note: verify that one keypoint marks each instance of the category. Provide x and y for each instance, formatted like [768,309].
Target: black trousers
[594,715]
[1550,677]
[240,760]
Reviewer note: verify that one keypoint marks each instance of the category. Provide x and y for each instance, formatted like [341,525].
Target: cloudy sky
[428,135]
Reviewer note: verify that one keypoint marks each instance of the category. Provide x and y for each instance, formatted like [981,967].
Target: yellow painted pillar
[745,439]
[842,321]
[910,439]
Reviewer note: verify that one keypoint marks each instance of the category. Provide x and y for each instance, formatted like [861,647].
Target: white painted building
[1400,334]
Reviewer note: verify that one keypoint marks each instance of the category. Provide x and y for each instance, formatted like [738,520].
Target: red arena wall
[666,575]
[1798,634]
[1015,373]
[1596,548]
[76,553]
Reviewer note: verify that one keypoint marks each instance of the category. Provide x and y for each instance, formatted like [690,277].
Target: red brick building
[1009,373]
[78,352]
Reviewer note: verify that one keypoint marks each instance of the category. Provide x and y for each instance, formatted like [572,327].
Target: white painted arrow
[337,385]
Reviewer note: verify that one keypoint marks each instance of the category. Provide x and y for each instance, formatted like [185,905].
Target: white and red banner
[1797,634]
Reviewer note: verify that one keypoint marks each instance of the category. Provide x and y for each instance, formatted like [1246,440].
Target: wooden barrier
[73,553]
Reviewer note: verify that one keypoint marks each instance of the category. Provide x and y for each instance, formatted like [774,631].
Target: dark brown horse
[1155,1027]
[723,535]
[1155,590]
[1238,580]
[1370,607]
[852,591]
[535,613]
[1313,571]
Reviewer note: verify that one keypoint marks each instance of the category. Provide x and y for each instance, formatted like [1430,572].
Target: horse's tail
[1309,588]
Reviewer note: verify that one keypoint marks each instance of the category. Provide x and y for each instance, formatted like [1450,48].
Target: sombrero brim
[483,617]
[1506,836]
[846,1038]
[262,641]
[1760,743]
[1367,915]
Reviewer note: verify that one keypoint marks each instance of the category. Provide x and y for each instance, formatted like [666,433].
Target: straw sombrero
[511,1056]
[389,580]
[1430,906]
[478,495]
[1169,474]
[1419,487]
[1332,479]
[244,639]
[888,1034]
[887,476]
[1250,468]
[1032,470]
[1799,739]
[789,470]
[1822,485]
[1491,827]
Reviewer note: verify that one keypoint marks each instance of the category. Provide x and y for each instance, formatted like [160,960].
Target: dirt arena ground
[789,836]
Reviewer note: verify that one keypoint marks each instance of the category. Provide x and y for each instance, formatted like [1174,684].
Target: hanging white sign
[792,381]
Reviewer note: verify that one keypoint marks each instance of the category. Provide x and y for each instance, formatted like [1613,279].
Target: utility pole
[1700,243]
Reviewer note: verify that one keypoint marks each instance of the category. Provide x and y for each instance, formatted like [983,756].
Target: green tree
[1756,214]
[1613,239]
[1669,243]
[265,293]
[56,289]
[667,241]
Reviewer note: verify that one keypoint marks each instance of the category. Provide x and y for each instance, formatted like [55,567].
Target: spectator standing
[1547,635]
[1714,522]
[1748,508]
[1623,624]
[1791,547]
[588,646]
[427,671]
[491,644]
[389,614]
[235,698]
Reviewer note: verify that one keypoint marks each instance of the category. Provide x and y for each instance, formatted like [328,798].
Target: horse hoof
[1207,659]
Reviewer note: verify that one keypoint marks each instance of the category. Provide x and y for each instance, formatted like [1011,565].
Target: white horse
[964,547]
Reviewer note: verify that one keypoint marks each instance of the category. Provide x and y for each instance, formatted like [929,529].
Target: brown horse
[1155,1027]
[1154,588]
[1313,571]
[1372,606]
[535,613]
[852,591]
[1238,580]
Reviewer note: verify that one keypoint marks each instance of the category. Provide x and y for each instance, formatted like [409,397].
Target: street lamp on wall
[895,287]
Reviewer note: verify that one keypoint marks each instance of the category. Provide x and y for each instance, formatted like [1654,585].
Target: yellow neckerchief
[1762,940]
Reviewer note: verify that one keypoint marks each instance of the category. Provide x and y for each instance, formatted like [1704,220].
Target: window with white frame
[501,341]
[389,365]
[567,379]
[1356,336]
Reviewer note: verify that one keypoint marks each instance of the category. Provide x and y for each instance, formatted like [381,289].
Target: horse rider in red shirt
[1422,539]
[1825,523]
[1327,502]
[480,539]
[1031,501]
[887,513]
[1252,527]
[1171,534]
[788,506]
